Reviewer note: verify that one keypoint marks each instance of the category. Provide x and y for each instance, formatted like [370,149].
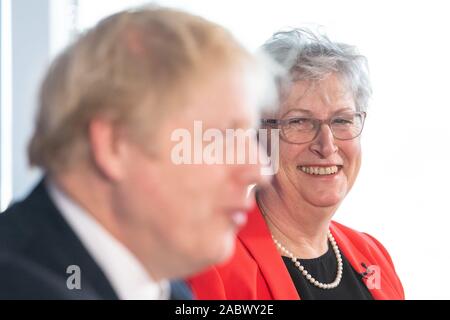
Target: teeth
[320,171]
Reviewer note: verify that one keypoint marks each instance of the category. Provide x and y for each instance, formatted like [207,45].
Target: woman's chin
[324,201]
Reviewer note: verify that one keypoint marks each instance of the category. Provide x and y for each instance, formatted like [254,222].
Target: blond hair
[131,64]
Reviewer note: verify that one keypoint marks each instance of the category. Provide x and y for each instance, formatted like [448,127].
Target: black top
[324,269]
[36,248]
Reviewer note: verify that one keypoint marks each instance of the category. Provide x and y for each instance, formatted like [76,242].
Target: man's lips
[239,218]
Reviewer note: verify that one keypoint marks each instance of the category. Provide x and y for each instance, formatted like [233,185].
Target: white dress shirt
[124,271]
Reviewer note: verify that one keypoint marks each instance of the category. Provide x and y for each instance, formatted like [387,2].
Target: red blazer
[257,271]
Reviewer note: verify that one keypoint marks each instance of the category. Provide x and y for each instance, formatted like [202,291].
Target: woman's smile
[320,171]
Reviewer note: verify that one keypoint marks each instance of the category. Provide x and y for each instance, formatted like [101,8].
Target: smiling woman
[291,248]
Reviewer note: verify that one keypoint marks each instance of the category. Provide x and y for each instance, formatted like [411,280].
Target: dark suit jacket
[36,248]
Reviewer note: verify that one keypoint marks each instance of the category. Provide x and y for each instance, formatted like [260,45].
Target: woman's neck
[298,226]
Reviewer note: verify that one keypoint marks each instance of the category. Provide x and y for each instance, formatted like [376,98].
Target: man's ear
[107,148]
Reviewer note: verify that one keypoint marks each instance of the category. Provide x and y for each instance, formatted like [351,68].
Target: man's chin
[211,255]
[223,252]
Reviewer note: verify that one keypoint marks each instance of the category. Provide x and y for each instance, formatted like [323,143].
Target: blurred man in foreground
[115,216]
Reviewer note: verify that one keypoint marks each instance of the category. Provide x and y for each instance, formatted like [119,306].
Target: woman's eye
[343,121]
[298,121]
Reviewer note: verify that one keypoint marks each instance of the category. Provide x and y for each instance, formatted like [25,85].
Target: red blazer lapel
[356,257]
[258,241]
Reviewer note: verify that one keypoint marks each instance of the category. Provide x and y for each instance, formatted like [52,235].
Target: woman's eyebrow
[298,110]
[343,109]
[310,113]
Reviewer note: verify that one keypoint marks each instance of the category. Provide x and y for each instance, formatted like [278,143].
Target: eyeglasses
[304,129]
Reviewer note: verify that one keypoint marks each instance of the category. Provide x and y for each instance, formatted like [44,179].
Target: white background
[402,194]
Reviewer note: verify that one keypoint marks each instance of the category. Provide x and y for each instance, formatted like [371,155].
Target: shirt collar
[125,272]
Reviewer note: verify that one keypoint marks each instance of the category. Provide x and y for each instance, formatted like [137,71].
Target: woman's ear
[108,148]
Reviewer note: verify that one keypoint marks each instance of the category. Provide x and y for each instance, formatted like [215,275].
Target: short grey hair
[309,55]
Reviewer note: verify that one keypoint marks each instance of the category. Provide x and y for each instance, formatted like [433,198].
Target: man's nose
[251,172]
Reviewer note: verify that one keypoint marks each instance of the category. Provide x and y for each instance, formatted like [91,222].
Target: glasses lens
[299,130]
[347,126]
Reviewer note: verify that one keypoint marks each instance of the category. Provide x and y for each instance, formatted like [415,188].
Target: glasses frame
[279,123]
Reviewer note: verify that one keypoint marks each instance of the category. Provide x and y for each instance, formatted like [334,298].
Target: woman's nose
[324,144]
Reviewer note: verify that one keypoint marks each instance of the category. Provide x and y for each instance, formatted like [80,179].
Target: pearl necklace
[304,272]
